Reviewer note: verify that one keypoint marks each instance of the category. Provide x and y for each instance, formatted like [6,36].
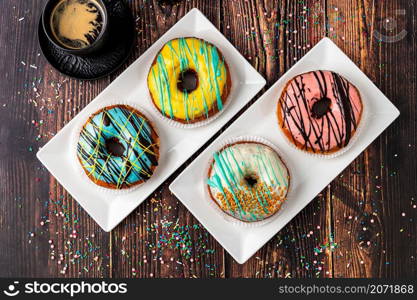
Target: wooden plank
[34,109]
[18,167]
[273,35]
[368,201]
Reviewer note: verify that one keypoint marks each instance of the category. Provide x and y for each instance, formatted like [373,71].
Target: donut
[319,111]
[189,80]
[248,181]
[118,148]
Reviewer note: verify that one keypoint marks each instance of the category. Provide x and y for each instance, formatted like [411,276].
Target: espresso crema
[76,24]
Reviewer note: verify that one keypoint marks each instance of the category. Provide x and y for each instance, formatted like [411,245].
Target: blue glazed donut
[118,147]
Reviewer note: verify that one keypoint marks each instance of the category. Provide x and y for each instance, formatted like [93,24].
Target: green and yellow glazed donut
[189,80]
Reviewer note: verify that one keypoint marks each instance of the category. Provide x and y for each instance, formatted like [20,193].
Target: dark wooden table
[362,225]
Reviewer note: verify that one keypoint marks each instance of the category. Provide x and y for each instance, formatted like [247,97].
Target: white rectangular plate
[309,174]
[177,144]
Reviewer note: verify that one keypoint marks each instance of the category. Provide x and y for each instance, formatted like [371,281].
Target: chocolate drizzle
[317,113]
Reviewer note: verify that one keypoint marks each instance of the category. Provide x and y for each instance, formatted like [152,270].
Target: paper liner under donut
[76,134]
[213,203]
[212,113]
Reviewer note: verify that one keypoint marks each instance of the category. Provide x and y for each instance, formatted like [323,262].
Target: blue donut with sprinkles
[118,148]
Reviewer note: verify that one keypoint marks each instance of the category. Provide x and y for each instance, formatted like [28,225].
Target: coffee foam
[76,24]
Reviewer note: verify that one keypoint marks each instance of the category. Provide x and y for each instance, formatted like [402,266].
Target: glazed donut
[189,80]
[248,181]
[319,111]
[118,147]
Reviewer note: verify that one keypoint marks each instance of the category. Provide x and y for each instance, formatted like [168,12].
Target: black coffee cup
[98,42]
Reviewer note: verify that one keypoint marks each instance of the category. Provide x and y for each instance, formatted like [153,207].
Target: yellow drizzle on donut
[177,56]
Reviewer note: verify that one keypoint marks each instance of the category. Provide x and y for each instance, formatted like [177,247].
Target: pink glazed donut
[319,111]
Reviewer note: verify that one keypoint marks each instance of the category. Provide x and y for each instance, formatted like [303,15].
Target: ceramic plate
[177,144]
[309,174]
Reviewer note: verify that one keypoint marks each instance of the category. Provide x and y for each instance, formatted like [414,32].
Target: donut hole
[114,147]
[321,107]
[250,180]
[187,81]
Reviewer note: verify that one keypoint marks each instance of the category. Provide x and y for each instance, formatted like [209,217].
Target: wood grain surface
[362,225]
